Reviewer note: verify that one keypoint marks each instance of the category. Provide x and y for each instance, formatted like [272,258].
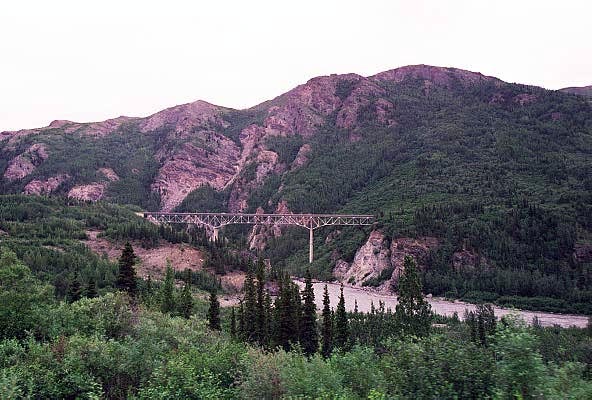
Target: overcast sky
[93,60]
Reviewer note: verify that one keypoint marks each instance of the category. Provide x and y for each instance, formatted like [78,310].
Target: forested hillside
[497,174]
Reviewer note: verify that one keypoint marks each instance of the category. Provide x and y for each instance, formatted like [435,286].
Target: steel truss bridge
[215,221]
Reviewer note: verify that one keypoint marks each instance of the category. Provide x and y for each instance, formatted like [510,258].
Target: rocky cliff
[446,152]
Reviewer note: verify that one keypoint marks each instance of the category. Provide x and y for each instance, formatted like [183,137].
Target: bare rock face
[91,192]
[192,167]
[377,255]
[109,174]
[583,252]
[467,260]
[260,234]
[263,164]
[302,156]
[437,75]
[102,128]
[25,163]
[416,248]
[185,117]
[362,98]
[370,260]
[525,98]
[47,186]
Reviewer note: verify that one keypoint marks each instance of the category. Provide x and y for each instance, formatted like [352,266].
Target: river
[365,297]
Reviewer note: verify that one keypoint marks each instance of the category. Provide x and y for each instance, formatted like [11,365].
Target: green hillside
[511,182]
[503,171]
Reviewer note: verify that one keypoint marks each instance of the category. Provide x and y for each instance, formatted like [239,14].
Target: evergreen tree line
[291,319]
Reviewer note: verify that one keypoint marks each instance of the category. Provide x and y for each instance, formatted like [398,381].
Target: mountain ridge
[496,175]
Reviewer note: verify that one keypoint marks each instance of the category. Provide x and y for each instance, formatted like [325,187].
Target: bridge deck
[217,220]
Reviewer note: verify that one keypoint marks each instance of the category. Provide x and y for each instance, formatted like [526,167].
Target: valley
[366,298]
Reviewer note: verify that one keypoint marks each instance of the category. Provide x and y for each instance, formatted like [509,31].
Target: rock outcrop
[379,262]
[90,192]
[369,262]
[261,234]
[47,186]
[193,146]
[109,174]
[417,248]
[25,163]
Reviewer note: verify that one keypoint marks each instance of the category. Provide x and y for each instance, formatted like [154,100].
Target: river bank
[365,297]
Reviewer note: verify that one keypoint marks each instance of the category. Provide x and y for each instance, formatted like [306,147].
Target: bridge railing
[215,221]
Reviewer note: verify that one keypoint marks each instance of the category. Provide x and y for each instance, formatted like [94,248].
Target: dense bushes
[115,347]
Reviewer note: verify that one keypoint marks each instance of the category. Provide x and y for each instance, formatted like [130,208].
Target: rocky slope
[194,150]
[579,90]
[447,157]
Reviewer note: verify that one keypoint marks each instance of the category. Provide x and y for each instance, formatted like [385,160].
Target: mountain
[488,184]
[579,90]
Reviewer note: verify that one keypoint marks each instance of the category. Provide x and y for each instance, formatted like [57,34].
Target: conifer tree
[327,344]
[167,295]
[341,324]
[91,288]
[186,299]
[214,311]
[308,323]
[412,313]
[268,319]
[74,290]
[250,308]
[261,323]
[232,323]
[126,277]
[285,324]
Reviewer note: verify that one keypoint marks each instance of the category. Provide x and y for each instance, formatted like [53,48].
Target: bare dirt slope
[152,261]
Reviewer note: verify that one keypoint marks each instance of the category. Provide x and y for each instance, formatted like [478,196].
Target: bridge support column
[215,234]
[310,246]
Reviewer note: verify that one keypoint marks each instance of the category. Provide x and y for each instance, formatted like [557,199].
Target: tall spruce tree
[167,294]
[261,323]
[91,288]
[341,333]
[214,311]
[286,314]
[250,308]
[327,342]
[74,289]
[412,313]
[296,303]
[308,323]
[186,299]
[126,277]
[268,319]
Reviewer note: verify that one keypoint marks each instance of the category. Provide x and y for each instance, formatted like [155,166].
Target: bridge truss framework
[215,221]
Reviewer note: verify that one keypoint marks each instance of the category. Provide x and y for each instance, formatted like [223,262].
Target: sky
[92,60]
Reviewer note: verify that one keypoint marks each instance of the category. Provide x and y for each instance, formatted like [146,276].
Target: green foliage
[308,323]
[22,297]
[250,309]
[327,328]
[520,370]
[412,312]
[126,277]
[341,326]
[214,312]
[128,152]
[167,293]
[204,199]
[186,298]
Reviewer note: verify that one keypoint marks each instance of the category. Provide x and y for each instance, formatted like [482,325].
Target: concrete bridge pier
[310,246]
[215,234]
